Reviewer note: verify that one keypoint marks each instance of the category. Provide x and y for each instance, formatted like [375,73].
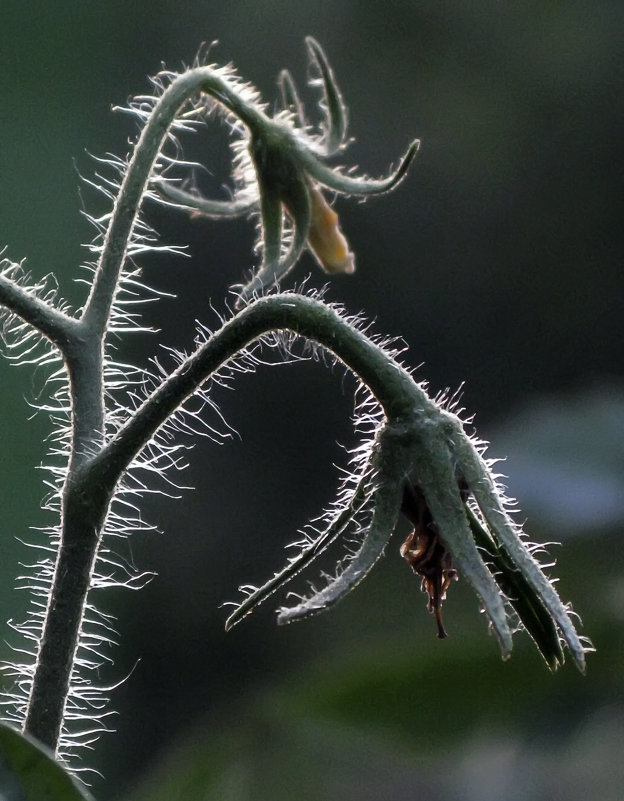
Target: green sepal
[520,594]
[290,98]
[334,107]
[307,555]
[274,196]
[386,503]
[201,205]
[349,185]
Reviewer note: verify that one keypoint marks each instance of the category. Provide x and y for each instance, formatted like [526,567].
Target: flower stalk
[421,450]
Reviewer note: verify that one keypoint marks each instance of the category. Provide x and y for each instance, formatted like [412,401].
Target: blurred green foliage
[401,715]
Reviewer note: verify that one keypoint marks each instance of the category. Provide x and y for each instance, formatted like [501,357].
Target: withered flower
[426,466]
[425,552]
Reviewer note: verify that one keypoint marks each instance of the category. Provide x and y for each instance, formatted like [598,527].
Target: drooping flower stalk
[420,461]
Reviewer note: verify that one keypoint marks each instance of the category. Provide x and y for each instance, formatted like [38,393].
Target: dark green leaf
[29,772]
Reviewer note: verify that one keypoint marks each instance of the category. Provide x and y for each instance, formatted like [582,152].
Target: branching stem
[93,478]
[86,498]
[52,323]
[418,441]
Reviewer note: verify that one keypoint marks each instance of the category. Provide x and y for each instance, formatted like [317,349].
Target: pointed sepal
[201,206]
[520,594]
[332,104]
[290,98]
[273,196]
[350,184]
[310,550]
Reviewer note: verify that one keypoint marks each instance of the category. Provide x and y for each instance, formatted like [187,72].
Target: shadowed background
[498,263]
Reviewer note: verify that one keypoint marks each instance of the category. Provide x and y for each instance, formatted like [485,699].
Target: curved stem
[391,384]
[128,202]
[85,499]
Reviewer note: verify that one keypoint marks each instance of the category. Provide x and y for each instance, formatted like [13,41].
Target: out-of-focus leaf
[564,459]
[29,772]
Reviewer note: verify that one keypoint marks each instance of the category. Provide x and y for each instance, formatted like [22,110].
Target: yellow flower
[325,239]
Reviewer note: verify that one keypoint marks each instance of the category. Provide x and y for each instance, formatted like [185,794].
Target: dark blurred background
[498,261]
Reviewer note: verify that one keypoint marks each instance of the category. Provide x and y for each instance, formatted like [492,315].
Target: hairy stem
[52,323]
[93,476]
[86,497]
[393,387]
[83,516]
[128,202]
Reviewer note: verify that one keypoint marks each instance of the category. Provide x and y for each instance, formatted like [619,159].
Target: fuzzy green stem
[83,516]
[392,385]
[86,388]
[86,498]
[92,478]
[52,323]
[84,507]
[128,202]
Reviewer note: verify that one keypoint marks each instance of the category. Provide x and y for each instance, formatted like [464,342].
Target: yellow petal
[325,238]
